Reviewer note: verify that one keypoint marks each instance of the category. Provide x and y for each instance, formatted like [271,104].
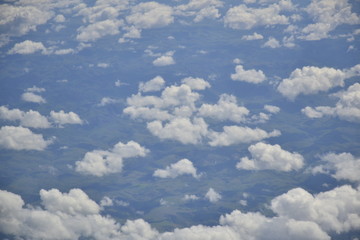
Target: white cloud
[103,65]
[27,47]
[59,18]
[35,89]
[32,97]
[20,138]
[272,43]
[266,156]
[196,83]
[150,15]
[347,108]
[254,36]
[335,211]
[201,9]
[190,197]
[182,167]
[107,100]
[250,76]
[97,30]
[239,135]
[155,84]
[147,113]
[343,166]
[184,130]
[212,196]
[272,109]
[243,17]
[312,80]
[225,109]
[300,215]
[62,118]
[327,15]
[27,119]
[100,162]
[164,60]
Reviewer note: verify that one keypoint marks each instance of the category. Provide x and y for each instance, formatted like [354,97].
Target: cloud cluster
[20,138]
[175,115]
[182,167]
[347,108]
[250,76]
[100,162]
[312,80]
[27,47]
[201,9]
[266,156]
[299,215]
[343,166]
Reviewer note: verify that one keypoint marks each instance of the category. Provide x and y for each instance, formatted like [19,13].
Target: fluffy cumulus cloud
[182,167]
[18,20]
[101,162]
[272,109]
[97,30]
[164,60]
[347,107]
[196,83]
[212,196]
[201,9]
[272,43]
[27,47]
[20,138]
[334,211]
[62,118]
[239,135]
[251,76]
[343,166]
[299,215]
[312,80]
[70,215]
[254,36]
[243,17]
[150,15]
[266,156]
[226,109]
[184,130]
[27,119]
[327,15]
[32,97]
[155,84]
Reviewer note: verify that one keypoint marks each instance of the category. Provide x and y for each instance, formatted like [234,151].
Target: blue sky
[199,119]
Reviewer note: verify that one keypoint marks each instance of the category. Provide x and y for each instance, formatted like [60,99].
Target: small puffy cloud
[254,36]
[150,15]
[243,17]
[62,118]
[212,196]
[182,167]
[272,109]
[27,47]
[266,156]
[201,9]
[32,97]
[59,18]
[311,80]
[155,84]
[239,135]
[27,119]
[97,30]
[190,197]
[226,109]
[164,60]
[196,83]
[107,100]
[347,108]
[334,211]
[100,162]
[184,130]
[327,15]
[20,138]
[272,43]
[250,76]
[343,166]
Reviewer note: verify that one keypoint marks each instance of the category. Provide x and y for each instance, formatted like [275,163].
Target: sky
[179,119]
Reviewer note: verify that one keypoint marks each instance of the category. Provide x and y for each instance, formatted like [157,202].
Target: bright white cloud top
[266,156]
[250,76]
[212,196]
[100,162]
[182,167]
